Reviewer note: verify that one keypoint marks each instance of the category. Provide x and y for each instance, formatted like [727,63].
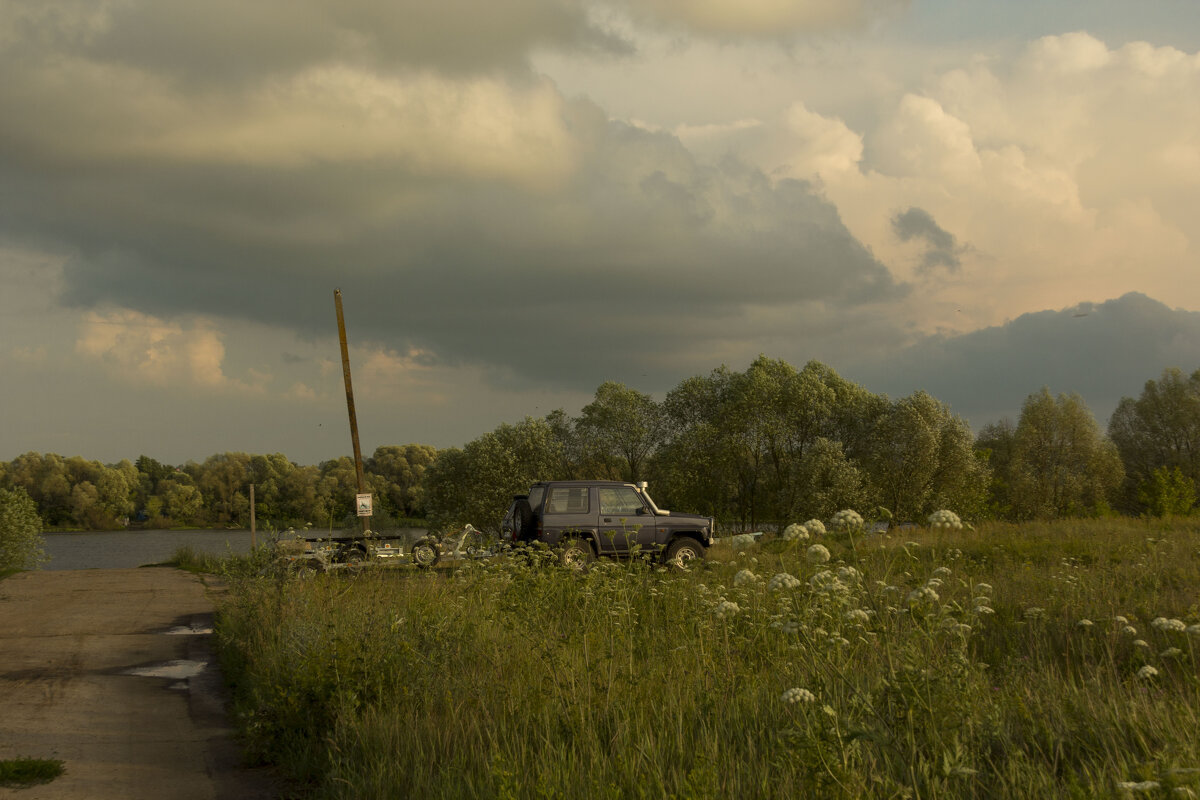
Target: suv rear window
[568,501]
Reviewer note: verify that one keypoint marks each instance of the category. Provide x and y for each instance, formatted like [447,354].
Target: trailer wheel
[425,552]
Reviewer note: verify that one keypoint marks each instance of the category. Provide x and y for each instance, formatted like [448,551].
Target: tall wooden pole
[358,466]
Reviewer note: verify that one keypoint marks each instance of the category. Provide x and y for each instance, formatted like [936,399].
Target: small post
[358,467]
[253,542]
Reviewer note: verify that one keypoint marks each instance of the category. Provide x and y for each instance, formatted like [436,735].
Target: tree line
[763,447]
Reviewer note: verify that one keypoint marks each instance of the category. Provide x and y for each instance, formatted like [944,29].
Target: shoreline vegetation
[1016,660]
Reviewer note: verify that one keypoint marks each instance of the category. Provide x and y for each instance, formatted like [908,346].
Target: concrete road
[111,671]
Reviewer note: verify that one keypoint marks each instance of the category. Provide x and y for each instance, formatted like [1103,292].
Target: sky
[520,201]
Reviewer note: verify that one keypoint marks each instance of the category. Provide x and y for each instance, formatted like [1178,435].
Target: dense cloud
[1103,351]
[468,216]
[941,249]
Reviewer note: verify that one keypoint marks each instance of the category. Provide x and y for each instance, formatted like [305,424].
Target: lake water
[120,549]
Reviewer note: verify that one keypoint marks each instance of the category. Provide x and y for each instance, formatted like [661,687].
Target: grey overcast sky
[523,200]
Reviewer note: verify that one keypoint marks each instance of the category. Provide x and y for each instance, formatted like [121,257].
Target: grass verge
[1016,661]
[18,773]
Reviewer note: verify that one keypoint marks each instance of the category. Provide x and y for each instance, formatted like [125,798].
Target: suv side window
[572,500]
[620,500]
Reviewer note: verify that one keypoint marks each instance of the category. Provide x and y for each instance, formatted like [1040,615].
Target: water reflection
[121,549]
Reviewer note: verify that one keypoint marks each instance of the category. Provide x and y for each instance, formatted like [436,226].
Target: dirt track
[71,645]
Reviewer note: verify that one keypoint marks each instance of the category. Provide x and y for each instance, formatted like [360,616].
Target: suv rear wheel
[684,553]
[576,554]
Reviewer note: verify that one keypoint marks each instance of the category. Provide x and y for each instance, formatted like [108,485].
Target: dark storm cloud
[941,250]
[571,247]
[231,40]
[1102,351]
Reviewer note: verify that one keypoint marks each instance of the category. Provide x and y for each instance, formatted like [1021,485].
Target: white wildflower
[1171,652]
[982,609]
[1147,672]
[815,527]
[848,575]
[1138,786]
[741,541]
[725,608]
[1194,630]
[1171,625]
[1084,623]
[983,588]
[795,533]
[798,695]
[1141,643]
[744,577]
[1129,630]
[945,519]
[982,601]
[922,596]
[783,580]
[942,572]
[1035,612]
[817,554]
[858,615]
[1120,620]
[847,519]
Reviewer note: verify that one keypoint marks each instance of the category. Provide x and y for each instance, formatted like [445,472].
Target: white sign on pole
[364,505]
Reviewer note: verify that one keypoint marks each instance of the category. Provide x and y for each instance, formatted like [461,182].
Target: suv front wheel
[684,553]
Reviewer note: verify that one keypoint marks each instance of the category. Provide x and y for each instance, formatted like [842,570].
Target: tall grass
[928,664]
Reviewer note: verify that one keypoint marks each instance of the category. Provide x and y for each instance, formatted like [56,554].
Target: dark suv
[585,519]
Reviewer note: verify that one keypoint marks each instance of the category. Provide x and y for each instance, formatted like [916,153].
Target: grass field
[1014,661]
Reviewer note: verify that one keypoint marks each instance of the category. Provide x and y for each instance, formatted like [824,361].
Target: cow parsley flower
[923,595]
[798,695]
[983,588]
[984,609]
[1141,643]
[1147,672]
[1193,630]
[858,615]
[725,608]
[741,541]
[1138,786]
[1035,612]
[1129,630]
[744,577]
[815,527]
[847,519]
[783,580]
[795,533]
[848,575]
[1084,623]
[1169,625]
[945,519]
[1171,652]
[1120,620]
[817,554]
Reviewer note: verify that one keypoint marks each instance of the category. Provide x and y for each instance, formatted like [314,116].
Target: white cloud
[155,352]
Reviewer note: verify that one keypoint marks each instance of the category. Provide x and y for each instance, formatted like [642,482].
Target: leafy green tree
[475,484]
[621,428]
[995,446]
[20,531]
[1161,428]
[1167,491]
[1062,465]
[396,473]
[922,458]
